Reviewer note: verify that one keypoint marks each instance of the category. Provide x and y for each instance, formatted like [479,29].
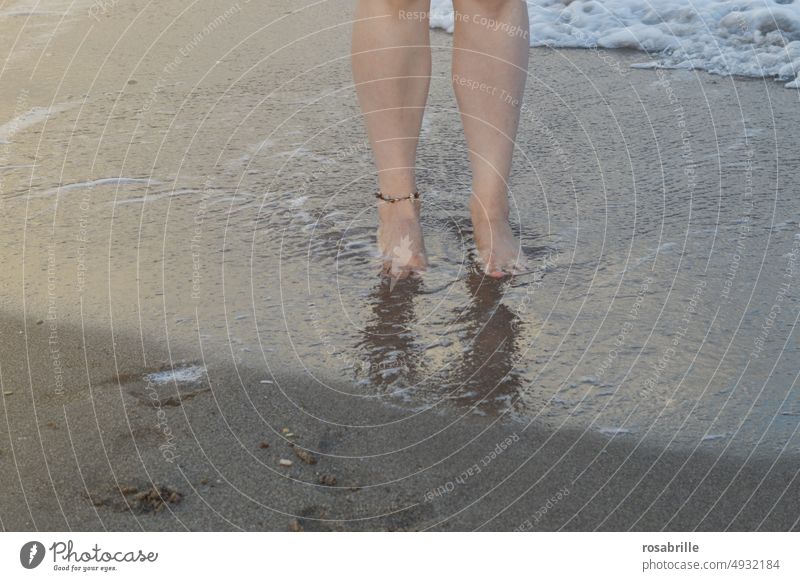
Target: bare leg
[490,63]
[392,68]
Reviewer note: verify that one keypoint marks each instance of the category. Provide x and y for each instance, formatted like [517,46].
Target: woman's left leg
[490,67]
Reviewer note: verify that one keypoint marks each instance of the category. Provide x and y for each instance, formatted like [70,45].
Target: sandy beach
[195,338]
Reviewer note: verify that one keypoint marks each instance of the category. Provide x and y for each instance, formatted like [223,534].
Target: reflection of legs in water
[391,68]
[489,74]
[388,346]
[487,366]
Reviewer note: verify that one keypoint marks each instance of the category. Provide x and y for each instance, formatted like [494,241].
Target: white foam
[615,431]
[712,437]
[755,38]
[118,181]
[28,119]
[188,374]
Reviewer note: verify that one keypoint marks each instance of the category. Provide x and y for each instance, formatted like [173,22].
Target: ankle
[404,209]
[489,206]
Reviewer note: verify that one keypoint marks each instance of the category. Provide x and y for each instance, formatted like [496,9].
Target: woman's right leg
[392,69]
[490,67]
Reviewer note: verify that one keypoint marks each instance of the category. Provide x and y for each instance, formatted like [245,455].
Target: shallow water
[232,216]
[662,301]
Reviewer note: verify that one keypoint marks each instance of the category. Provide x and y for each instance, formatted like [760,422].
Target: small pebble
[327,480]
[286,463]
[265,381]
[305,456]
[263,445]
[8,393]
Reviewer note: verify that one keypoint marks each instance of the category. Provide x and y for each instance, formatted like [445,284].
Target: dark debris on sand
[155,499]
[152,499]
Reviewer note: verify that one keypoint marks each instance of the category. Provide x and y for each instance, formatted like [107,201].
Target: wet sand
[177,314]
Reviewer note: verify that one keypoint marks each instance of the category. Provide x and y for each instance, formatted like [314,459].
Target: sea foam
[755,38]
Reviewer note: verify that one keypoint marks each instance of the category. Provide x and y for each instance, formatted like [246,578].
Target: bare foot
[400,239]
[498,248]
